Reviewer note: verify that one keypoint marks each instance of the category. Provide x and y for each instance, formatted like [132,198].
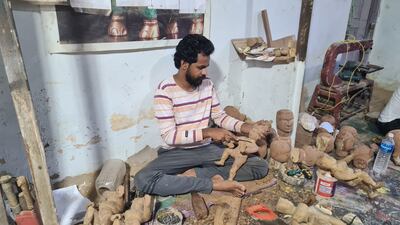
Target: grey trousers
[159,177]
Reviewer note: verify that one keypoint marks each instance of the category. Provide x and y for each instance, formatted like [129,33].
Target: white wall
[328,25]
[79,97]
[386,48]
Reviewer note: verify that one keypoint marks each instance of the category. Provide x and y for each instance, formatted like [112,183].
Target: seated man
[389,119]
[184,104]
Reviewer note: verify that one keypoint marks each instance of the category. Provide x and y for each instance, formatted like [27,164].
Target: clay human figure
[284,122]
[396,153]
[345,141]
[140,211]
[307,155]
[239,152]
[280,150]
[262,126]
[302,214]
[339,169]
[89,215]
[363,154]
[228,209]
[113,203]
[281,144]
[325,142]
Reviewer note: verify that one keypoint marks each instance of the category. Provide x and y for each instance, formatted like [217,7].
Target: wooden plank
[267,28]
[3,214]
[304,28]
[15,71]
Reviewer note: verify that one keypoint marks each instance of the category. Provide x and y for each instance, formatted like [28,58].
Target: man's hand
[218,134]
[260,130]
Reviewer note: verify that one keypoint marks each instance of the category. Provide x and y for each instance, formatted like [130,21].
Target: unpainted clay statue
[396,153]
[338,168]
[363,154]
[140,211]
[260,127]
[280,150]
[117,219]
[228,209]
[284,122]
[113,203]
[345,141]
[307,155]
[239,152]
[325,142]
[89,215]
[353,177]
[302,214]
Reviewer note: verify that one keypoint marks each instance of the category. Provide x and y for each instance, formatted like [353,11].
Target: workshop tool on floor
[347,91]
[6,185]
[261,212]
[270,183]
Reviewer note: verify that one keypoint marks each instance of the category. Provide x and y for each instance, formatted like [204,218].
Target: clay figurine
[325,142]
[396,153]
[260,127]
[307,155]
[280,150]
[113,203]
[363,154]
[345,141]
[140,211]
[239,152]
[302,214]
[284,122]
[228,209]
[339,169]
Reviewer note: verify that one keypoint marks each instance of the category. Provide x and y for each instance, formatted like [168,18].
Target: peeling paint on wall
[121,122]
[94,140]
[135,138]
[71,138]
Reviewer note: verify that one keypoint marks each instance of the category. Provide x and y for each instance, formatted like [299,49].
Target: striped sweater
[182,115]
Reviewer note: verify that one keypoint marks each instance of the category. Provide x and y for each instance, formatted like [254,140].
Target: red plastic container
[27,218]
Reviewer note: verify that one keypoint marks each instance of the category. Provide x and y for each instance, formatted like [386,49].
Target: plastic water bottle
[383,157]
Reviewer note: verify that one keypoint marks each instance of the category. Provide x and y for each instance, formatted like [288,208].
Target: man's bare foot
[217,178]
[234,187]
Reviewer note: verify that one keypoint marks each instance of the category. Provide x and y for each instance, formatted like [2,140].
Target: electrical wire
[347,98]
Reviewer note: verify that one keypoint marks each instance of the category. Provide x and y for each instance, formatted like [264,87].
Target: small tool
[271,183]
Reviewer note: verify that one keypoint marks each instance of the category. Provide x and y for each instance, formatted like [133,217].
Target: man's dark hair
[190,46]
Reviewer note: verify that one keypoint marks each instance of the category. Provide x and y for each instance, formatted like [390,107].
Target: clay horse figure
[239,151]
